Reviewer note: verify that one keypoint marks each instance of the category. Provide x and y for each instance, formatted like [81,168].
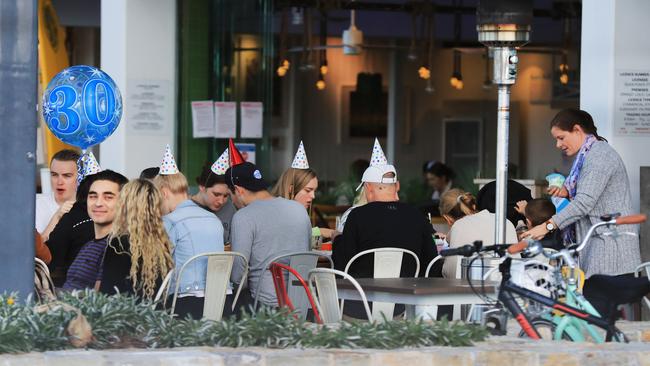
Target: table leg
[456,314]
[426,312]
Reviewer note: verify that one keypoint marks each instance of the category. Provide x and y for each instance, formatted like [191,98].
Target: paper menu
[202,119]
[251,119]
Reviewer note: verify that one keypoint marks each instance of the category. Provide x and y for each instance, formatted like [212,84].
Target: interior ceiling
[393,19]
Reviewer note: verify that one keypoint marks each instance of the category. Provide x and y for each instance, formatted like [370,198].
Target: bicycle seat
[620,290]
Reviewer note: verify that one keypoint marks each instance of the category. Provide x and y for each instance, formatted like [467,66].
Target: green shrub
[122,321]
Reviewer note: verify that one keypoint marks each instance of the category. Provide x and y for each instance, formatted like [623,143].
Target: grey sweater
[263,230]
[602,188]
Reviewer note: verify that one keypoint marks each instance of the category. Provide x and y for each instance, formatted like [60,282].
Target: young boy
[538,211]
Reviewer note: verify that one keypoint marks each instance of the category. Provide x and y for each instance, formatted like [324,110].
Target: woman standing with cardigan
[597,185]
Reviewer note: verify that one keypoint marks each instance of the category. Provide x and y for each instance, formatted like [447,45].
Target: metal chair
[217,279]
[43,284]
[281,288]
[164,288]
[387,264]
[302,262]
[433,261]
[327,297]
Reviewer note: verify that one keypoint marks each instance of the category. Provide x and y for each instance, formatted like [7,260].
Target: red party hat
[235,155]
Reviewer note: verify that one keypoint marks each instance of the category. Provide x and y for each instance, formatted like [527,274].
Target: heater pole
[505,72]
[503,25]
[503,131]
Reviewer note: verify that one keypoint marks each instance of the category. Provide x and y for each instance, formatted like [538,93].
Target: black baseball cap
[245,175]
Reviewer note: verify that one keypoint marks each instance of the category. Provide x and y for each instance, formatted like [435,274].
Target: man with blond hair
[192,231]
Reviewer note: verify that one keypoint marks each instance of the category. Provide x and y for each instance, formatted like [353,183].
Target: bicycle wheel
[545,328]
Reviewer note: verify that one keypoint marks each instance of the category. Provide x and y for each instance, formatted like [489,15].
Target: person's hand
[520,207]
[326,233]
[64,208]
[558,191]
[536,233]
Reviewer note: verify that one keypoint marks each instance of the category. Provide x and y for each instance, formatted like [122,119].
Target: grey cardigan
[602,188]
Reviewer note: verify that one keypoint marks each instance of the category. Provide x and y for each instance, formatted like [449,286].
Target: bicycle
[577,314]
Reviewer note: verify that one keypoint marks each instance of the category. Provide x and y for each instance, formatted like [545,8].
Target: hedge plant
[120,321]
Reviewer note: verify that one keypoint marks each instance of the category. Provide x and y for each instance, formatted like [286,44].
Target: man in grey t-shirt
[264,227]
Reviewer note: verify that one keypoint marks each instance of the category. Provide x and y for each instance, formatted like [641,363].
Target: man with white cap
[383,222]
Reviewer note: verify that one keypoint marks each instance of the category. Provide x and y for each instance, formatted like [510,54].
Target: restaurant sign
[632,103]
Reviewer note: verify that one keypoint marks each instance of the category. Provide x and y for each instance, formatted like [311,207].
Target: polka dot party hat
[221,165]
[300,160]
[91,166]
[168,166]
[378,158]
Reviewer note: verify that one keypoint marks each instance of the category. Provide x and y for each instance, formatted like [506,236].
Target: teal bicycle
[567,315]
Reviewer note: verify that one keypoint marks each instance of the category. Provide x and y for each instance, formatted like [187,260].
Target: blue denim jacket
[192,230]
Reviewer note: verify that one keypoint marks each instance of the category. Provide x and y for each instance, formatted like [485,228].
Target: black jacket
[71,233]
[380,225]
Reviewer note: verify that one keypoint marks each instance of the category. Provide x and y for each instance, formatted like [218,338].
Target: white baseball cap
[375,174]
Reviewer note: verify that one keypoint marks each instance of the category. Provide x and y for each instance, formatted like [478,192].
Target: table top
[416,286]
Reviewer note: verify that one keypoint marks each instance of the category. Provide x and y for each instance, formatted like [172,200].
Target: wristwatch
[549,226]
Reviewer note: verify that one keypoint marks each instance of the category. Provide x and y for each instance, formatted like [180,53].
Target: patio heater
[503,26]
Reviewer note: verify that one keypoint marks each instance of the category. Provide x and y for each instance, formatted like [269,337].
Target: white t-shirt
[46,207]
[479,226]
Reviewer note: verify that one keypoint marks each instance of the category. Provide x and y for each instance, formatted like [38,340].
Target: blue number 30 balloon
[82,106]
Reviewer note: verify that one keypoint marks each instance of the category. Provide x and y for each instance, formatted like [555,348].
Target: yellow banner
[52,58]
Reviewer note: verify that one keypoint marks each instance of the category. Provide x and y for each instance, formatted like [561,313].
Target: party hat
[91,166]
[235,155]
[168,166]
[300,160]
[221,165]
[378,158]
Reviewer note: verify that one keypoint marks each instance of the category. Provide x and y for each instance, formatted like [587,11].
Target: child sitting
[538,211]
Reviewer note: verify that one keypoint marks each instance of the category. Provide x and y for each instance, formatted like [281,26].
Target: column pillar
[138,50]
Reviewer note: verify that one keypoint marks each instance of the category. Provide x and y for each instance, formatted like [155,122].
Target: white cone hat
[222,164]
[91,166]
[168,165]
[300,160]
[378,157]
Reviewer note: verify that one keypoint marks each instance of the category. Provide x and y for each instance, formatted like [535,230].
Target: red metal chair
[281,288]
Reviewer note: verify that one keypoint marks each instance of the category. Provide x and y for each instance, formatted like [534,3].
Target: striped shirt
[86,268]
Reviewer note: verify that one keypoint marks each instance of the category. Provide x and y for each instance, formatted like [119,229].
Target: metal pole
[393,105]
[18,123]
[503,129]
[505,72]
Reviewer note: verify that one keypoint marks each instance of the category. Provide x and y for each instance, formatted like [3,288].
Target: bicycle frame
[571,325]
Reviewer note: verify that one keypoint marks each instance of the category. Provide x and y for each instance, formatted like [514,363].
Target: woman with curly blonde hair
[139,254]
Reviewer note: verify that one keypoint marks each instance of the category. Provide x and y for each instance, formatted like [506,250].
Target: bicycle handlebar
[465,251]
[631,219]
[469,249]
[518,248]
